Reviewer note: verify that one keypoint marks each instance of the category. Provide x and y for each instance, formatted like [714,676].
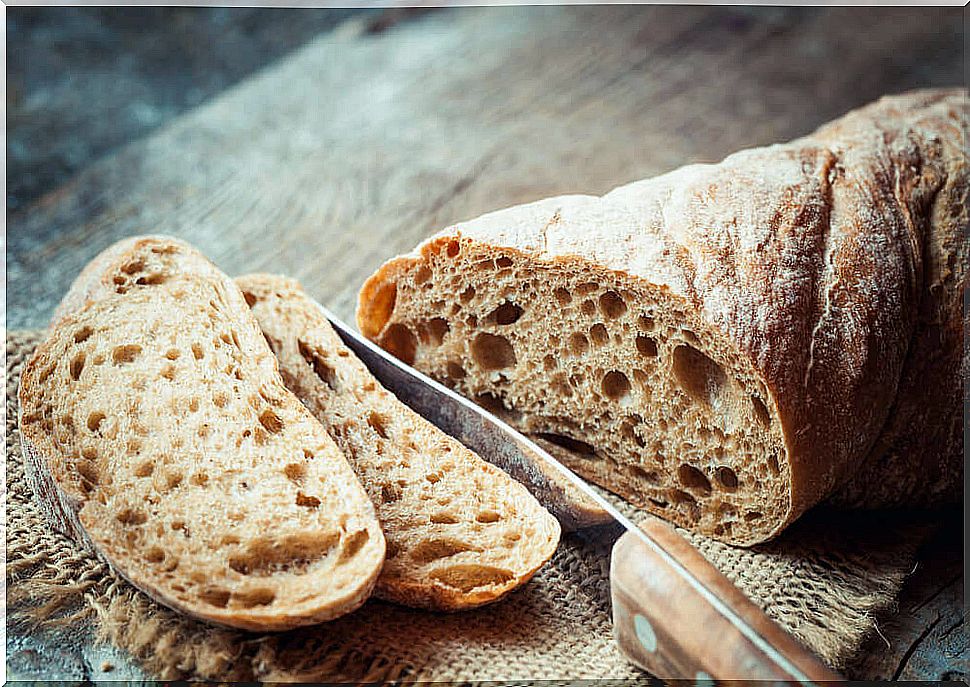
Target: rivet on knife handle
[672,630]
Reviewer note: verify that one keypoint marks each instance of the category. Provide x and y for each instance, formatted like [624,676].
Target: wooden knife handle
[674,630]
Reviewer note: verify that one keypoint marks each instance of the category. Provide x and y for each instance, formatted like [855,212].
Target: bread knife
[674,614]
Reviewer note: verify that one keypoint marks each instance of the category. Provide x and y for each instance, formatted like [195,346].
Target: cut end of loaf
[647,400]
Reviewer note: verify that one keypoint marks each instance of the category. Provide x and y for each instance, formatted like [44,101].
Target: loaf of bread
[460,532]
[157,430]
[725,345]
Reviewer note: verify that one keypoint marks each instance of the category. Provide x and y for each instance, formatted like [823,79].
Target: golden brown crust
[833,263]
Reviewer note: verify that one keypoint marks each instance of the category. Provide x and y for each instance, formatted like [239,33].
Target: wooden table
[364,141]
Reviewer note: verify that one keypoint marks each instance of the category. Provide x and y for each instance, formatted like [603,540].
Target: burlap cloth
[823,581]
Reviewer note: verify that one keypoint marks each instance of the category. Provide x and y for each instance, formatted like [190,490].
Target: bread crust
[50,473]
[834,264]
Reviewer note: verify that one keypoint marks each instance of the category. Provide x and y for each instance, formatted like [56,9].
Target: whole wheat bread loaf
[156,429]
[729,344]
[460,532]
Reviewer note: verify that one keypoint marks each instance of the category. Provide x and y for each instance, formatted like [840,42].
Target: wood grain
[358,145]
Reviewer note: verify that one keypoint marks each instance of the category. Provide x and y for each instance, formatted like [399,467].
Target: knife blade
[746,643]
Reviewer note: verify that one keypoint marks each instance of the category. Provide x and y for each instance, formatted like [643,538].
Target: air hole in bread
[433,332]
[200,478]
[492,352]
[145,469]
[507,313]
[168,372]
[215,596]
[422,275]
[467,294]
[82,334]
[378,423]
[761,411]
[568,443]
[253,598]
[174,479]
[727,478]
[455,371]
[292,553]
[645,475]
[752,515]
[89,472]
[598,334]
[645,323]
[436,549]
[133,267]
[504,261]
[125,354]
[295,472]
[773,464]
[588,308]
[173,354]
[399,340]
[390,493]
[615,385]
[271,421]
[612,305]
[152,279]
[354,543]
[468,577]
[694,479]
[251,299]
[562,296]
[307,501]
[131,517]
[659,503]
[197,351]
[94,421]
[488,516]
[452,248]
[578,344]
[697,374]
[220,400]
[154,555]
[77,365]
[679,496]
[491,403]
[444,518]
[587,287]
[647,346]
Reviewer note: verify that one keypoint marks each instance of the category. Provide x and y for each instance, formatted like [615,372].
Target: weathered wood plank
[358,145]
[928,638]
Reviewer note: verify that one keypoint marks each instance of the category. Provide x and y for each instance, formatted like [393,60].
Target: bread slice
[460,532]
[723,345]
[156,429]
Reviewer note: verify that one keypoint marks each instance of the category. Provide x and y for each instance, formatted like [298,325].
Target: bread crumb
[107,667]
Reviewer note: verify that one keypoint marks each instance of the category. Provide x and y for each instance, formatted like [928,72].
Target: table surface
[368,138]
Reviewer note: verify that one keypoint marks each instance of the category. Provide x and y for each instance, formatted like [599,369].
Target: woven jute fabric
[824,580]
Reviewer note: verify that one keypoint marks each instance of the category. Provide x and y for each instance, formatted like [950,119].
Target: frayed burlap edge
[824,581]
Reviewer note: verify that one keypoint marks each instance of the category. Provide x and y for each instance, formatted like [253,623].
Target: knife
[674,614]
